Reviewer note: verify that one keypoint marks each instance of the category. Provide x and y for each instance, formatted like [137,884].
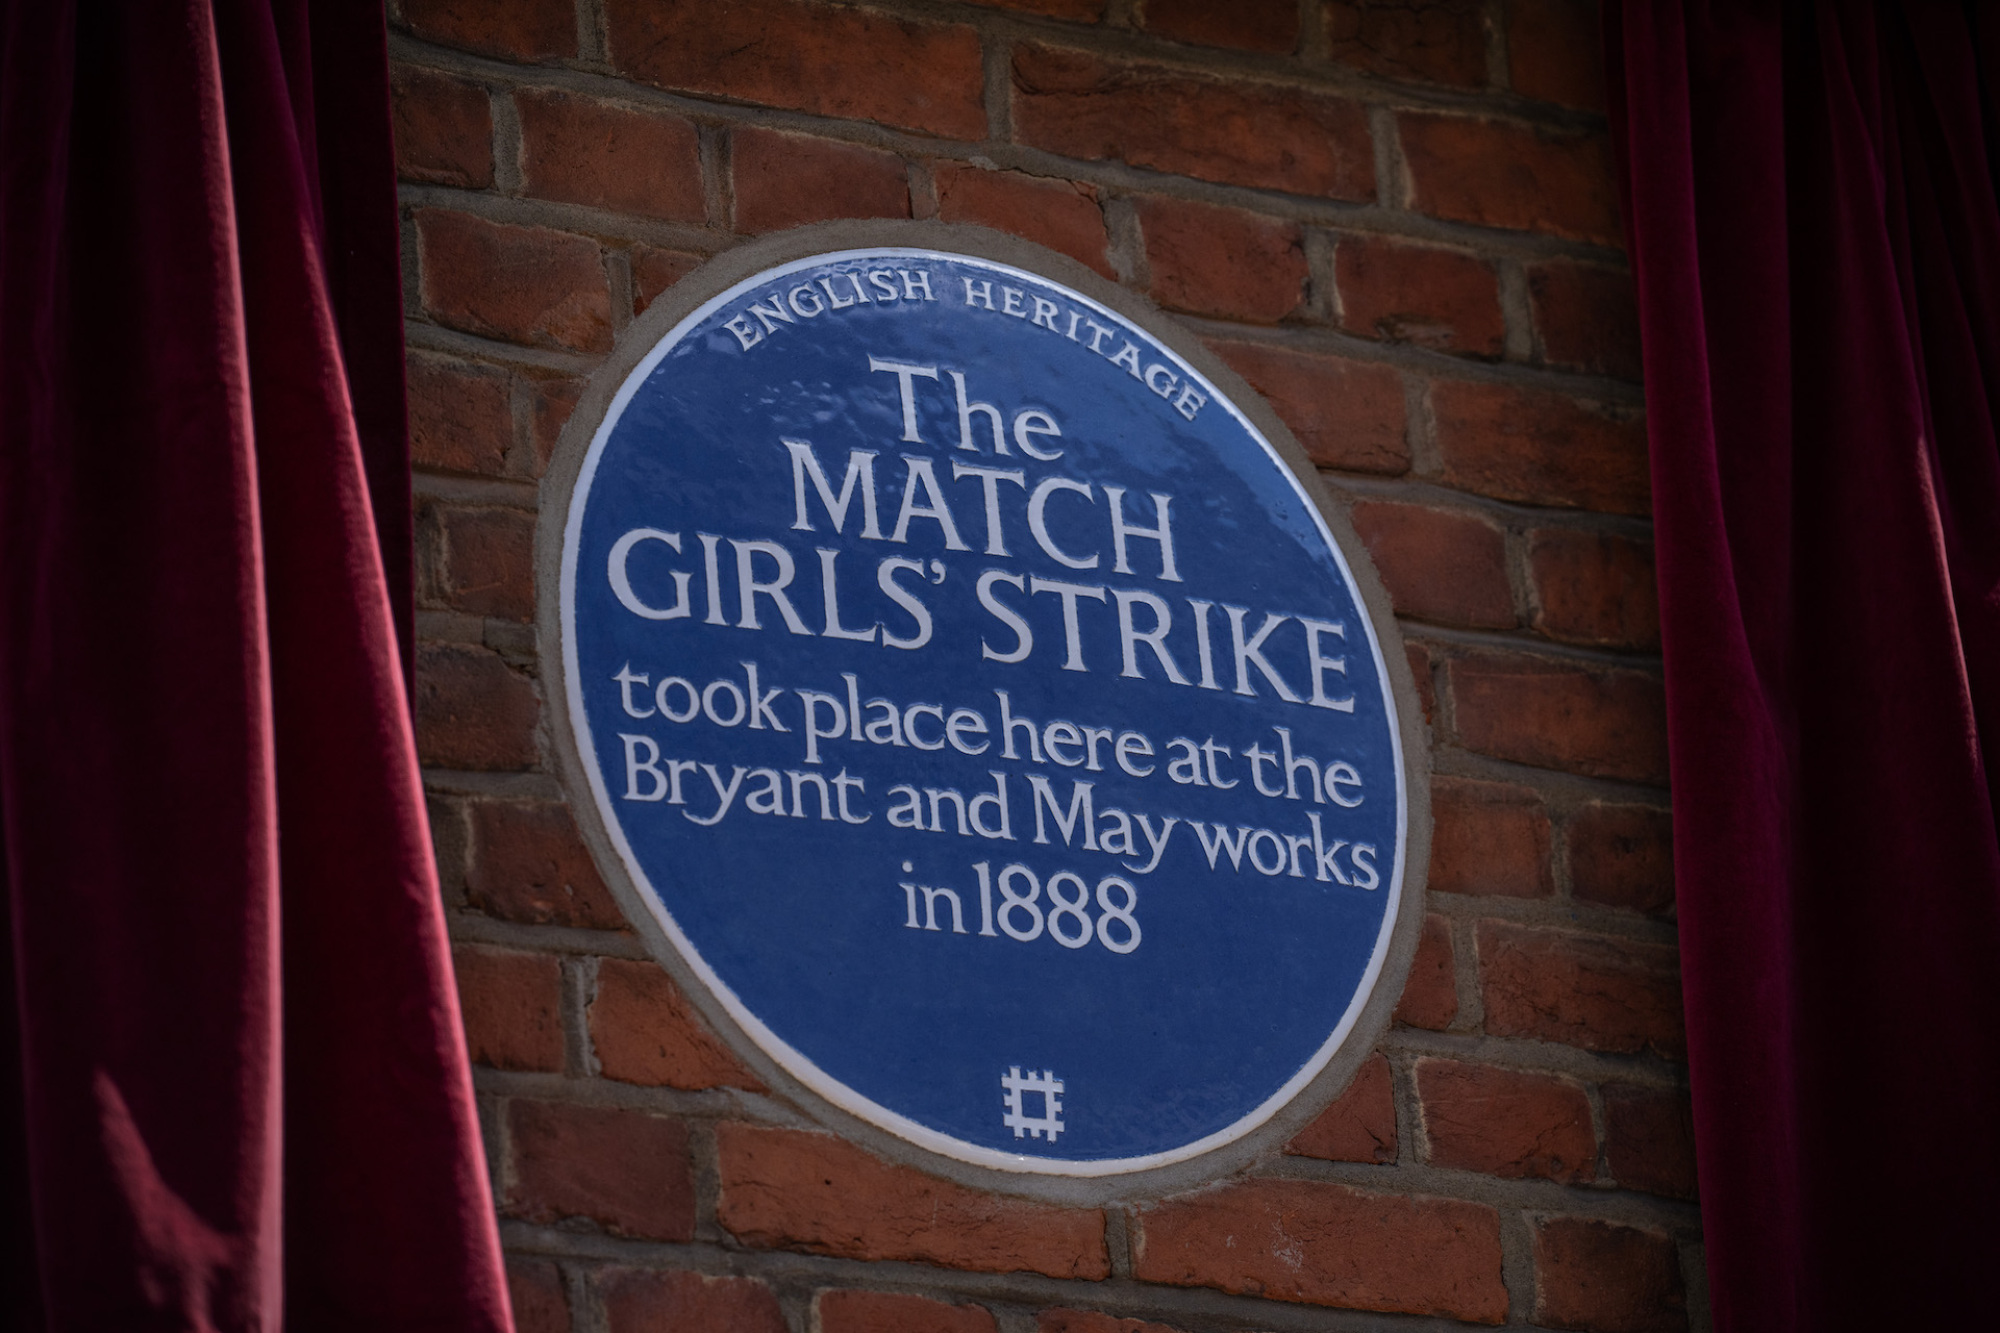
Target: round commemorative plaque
[980,711]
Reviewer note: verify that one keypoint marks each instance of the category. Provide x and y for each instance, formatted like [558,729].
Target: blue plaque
[981,705]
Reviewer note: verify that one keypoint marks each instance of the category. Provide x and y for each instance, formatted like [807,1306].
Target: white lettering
[885,578]
[1162,532]
[1320,665]
[621,582]
[905,374]
[748,585]
[860,472]
[1251,651]
[650,766]
[1030,421]
[1038,521]
[933,507]
[1069,592]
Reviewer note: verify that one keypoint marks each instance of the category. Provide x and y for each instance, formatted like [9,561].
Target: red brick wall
[1398,221]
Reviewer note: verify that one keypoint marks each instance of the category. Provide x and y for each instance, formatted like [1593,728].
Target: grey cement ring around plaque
[981,710]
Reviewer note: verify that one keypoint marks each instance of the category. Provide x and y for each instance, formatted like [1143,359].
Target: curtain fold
[233,1089]
[1811,211]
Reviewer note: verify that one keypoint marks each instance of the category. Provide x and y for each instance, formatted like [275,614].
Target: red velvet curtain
[233,1090]
[1811,205]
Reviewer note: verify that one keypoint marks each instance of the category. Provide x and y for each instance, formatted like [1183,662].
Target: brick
[644,1031]
[786,180]
[472,711]
[443,128]
[670,1302]
[1500,175]
[1346,414]
[1360,1126]
[535,1289]
[1267,137]
[461,419]
[1594,588]
[1323,1244]
[1430,995]
[1506,1123]
[429,552]
[829,61]
[1440,299]
[1622,856]
[813,1192]
[488,564]
[513,29]
[1607,1278]
[1081,11]
[1555,51]
[1541,448]
[1246,25]
[447,820]
[550,408]
[1580,719]
[1489,838]
[1587,317]
[511,1003]
[654,270]
[1421,671]
[1437,41]
[1094,1321]
[525,285]
[627,1171]
[1223,261]
[1440,565]
[884,1312]
[526,863]
[1063,215]
[1649,1140]
[1595,993]
[577,150]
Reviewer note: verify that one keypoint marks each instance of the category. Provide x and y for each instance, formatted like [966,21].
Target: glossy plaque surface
[985,712]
